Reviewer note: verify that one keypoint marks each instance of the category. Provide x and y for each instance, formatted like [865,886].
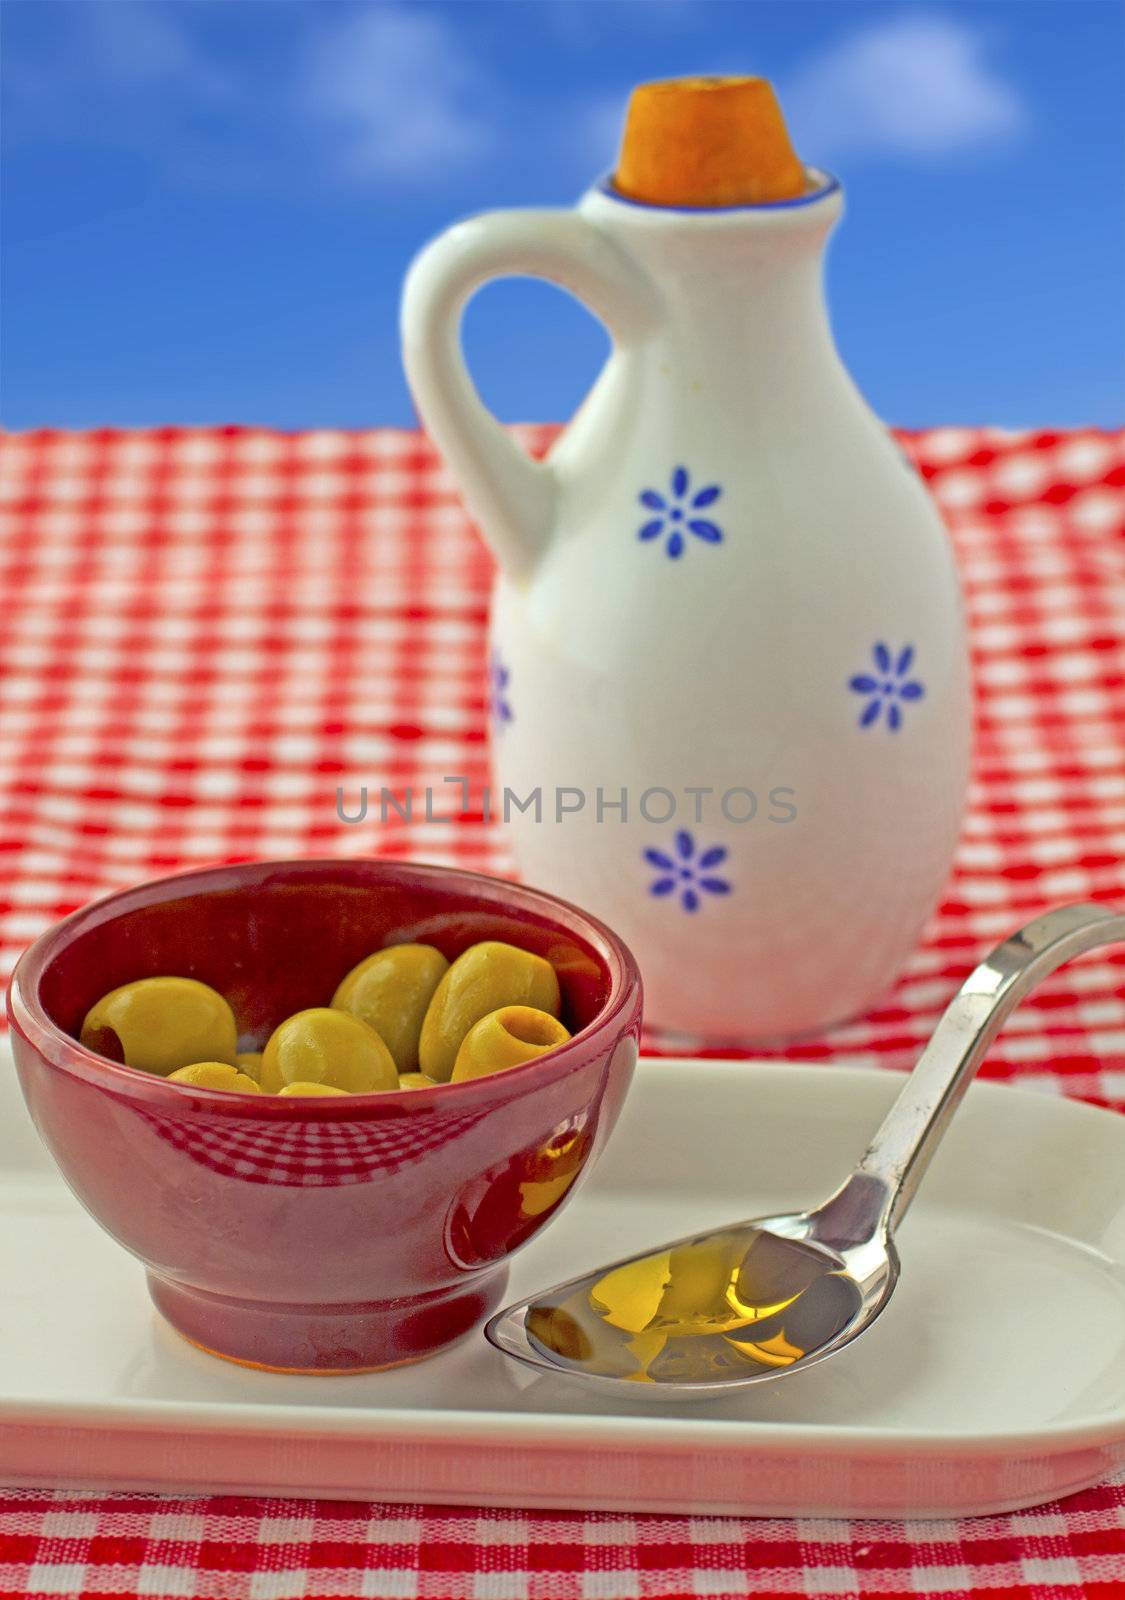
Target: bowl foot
[368,1336]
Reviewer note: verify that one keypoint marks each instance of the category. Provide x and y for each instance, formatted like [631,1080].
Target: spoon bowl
[757,1300]
[738,1305]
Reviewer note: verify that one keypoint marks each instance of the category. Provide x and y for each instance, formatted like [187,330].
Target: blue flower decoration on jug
[888,688]
[686,874]
[499,677]
[676,512]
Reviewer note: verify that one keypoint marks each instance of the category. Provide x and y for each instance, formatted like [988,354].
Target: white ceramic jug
[728,649]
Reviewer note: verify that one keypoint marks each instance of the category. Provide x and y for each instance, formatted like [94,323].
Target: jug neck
[726,262]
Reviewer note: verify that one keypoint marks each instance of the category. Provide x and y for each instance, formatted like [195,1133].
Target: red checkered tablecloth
[207,633]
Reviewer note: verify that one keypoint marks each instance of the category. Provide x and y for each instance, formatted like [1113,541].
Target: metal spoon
[742,1304]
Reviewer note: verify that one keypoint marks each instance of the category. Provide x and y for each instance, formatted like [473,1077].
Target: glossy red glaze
[320,1234]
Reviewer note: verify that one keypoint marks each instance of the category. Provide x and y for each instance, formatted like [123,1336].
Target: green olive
[296,1091]
[507,1038]
[214,1075]
[483,979]
[159,1024]
[250,1062]
[328,1047]
[390,991]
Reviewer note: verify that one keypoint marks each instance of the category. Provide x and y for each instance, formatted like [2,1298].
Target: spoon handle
[904,1145]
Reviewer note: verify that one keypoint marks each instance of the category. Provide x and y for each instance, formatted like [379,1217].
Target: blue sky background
[208,206]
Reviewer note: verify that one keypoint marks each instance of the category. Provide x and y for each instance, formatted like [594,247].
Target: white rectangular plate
[995,1379]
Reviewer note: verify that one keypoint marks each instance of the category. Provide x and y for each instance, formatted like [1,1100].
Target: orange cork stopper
[707,142]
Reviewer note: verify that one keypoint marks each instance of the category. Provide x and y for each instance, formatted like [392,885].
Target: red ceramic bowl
[325,1234]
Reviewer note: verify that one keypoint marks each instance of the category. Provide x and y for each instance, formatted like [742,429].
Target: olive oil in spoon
[759,1299]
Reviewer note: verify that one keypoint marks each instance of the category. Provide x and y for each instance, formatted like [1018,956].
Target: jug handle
[512,497]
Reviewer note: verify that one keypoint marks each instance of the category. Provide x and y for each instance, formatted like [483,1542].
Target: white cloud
[915,85]
[145,45]
[112,71]
[357,93]
[402,92]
